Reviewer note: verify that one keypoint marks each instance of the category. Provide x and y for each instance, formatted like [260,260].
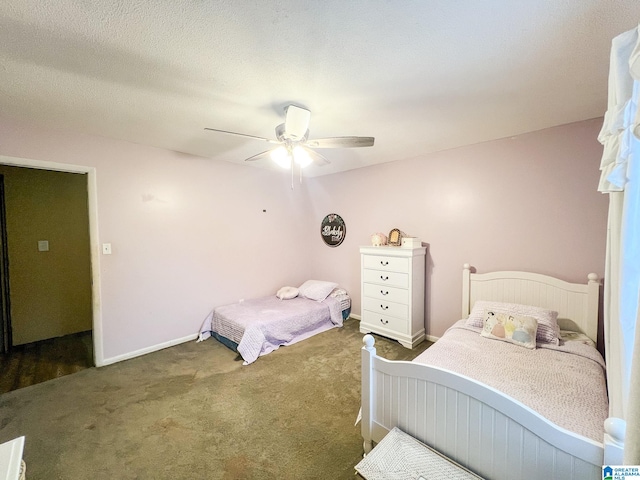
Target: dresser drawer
[391,264]
[393,279]
[385,322]
[382,292]
[397,310]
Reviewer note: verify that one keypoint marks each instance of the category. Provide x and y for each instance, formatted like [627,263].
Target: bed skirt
[234,346]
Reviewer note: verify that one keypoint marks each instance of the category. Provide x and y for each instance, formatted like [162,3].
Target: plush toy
[287,293]
[378,239]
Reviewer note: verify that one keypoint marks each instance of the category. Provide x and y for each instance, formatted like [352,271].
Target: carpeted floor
[194,412]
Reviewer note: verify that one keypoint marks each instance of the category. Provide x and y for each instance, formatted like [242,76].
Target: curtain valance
[622,118]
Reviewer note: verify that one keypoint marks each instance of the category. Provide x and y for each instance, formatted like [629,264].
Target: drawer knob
[384,278]
[384,293]
[384,307]
[384,264]
[384,322]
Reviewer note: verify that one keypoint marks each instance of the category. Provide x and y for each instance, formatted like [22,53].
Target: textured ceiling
[419,76]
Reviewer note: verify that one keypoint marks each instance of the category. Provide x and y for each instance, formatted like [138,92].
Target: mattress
[259,326]
[345,301]
[565,383]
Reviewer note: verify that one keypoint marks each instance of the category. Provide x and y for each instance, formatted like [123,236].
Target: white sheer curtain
[620,178]
[632,443]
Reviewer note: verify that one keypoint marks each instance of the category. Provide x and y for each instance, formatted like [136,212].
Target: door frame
[6,337]
[98,350]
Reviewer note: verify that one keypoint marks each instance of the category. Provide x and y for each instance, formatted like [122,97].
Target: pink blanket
[565,384]
[261,325]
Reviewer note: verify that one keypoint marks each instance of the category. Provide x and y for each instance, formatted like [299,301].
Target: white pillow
[548,329]
[287,293]
[316,289]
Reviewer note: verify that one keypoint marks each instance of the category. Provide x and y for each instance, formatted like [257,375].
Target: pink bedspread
[261,325]
[566,384]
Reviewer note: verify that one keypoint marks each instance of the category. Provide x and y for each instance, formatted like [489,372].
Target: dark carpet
[194,411]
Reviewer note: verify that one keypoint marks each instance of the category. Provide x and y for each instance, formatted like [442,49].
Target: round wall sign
[333,230]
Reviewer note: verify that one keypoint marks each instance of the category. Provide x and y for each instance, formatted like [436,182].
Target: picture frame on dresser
[395,238]
[393,293]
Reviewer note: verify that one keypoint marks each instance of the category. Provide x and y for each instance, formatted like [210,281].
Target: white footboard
[479,427]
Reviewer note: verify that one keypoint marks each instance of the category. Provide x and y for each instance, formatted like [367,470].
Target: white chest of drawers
[392,293]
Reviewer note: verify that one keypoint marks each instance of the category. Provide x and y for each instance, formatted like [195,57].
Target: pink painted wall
[187,233]
[523,203]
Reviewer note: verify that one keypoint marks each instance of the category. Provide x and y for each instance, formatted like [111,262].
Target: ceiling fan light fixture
[296,122]
[281,156]
[295,145]
[301,157]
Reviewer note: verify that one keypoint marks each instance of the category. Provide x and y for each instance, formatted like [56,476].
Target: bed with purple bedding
[546,379]
[497,398]
[259,326]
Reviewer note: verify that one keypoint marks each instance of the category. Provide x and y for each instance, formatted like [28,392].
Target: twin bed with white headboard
[501,409]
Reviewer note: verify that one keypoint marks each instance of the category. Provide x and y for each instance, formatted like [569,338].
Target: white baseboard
[151,349]
[353,315]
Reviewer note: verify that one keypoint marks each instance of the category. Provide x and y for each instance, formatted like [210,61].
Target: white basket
[399,456]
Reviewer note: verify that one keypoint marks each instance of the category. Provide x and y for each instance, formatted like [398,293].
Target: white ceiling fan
[295,147]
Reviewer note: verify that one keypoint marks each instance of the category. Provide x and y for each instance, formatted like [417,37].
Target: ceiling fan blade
[296,122]
[258,156]
[340,142]
[317,158]
[242,135]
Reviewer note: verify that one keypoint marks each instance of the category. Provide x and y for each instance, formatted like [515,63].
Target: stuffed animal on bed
[287,293]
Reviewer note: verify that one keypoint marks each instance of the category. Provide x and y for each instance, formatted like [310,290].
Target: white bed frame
[478,426]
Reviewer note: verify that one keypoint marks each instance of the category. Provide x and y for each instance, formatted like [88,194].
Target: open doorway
[47,328]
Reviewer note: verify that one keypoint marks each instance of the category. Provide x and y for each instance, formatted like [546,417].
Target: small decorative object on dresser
[378,239]
[411,242]
[395,237]
[392,293]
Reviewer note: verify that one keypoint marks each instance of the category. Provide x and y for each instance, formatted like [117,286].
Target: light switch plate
[106,249]
[43,245]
